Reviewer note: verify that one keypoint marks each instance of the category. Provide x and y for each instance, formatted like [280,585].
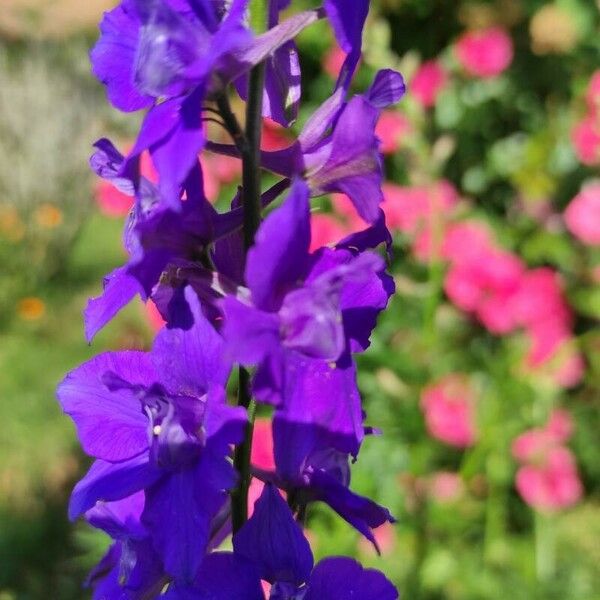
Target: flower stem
[251,179]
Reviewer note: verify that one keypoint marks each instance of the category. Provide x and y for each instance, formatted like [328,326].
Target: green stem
[545,548]
[251,182]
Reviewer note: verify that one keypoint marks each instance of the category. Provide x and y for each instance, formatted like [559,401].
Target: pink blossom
[261,456]
[429,80]
[326,230]
[333,61]
[226,168]
[154,317]
[485,53]
[209,177]
[409,207]
[553,485]
[548,479]
[391,128]
[385,536]
[446,487]
[585,138]
[582,216]
[449,411]
[485,285]
[274,136]
[112,202]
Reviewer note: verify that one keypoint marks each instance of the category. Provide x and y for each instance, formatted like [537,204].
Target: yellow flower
[48,216]
[31,308]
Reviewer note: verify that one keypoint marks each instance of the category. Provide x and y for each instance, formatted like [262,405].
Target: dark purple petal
[340,578]
[273,541]
[180,508]
[119,519]
[114,56]
[189,361]
[225,576]
[348,22]
[363,514]
[279,257]
[111,424]
[119,289]
[387,89]
[111,481]
[105,576]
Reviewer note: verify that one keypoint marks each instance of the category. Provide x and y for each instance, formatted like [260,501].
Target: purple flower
[272,547]
[338,150]
[305,313]
[159,239]
[180,52]
[159,421]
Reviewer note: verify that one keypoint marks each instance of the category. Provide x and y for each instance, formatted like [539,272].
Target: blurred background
[484,374]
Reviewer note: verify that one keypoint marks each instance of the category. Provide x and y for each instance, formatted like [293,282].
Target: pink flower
[261,456]
[326,230]
[274,136]
[553,485]
[449,411]
[485,284]
[408,208]
[548,479]
[429,80]
[485,53]
[391,128]
[446,487]
[582,216]
[585,138]
[333,61]
[226,168]
[209,177]
[154,317]
[112,202]
[385,536]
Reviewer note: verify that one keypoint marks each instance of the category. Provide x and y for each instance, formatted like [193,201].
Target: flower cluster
[231,290]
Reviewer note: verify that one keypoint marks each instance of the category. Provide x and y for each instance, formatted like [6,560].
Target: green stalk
[251,185]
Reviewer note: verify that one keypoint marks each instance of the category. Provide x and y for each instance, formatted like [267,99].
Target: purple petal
[120,519]
[111,481]
[325,395]
[225,576]
[365,289]
[387,89]
[348,22]
[354,163]
[279,257]
[114,55]
[340,578]
[369,238]
[119,289]
[179,511]
[321,120]
[363,514]
[189,361]
[250,333]
[273,541]
[111,424]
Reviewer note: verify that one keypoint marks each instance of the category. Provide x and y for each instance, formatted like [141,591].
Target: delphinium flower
[304,315]
[171,470]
